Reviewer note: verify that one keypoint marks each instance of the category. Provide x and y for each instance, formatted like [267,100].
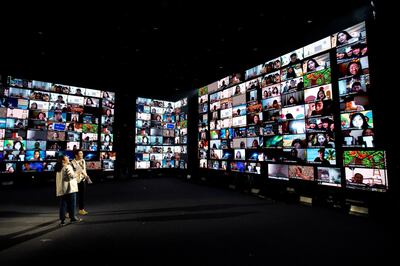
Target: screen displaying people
[47,119]
[285,111]
[163,143]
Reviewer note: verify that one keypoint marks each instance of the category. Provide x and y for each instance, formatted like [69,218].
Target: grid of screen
[107,150]
[40,121]
[161,134]
[283,117]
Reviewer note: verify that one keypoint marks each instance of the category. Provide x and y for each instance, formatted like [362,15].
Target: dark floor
[165,221]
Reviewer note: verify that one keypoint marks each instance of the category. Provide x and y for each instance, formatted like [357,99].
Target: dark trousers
[81,194]
[68,204]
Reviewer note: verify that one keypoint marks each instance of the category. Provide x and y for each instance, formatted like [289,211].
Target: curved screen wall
[288,118]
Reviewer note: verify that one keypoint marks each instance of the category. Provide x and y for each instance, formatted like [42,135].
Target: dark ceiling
[162,47]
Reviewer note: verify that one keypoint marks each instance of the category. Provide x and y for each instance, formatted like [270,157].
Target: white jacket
[80,169]
[66,181]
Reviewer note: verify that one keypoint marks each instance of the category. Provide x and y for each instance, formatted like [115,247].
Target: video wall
[287,119]
[41,120]
[161,134]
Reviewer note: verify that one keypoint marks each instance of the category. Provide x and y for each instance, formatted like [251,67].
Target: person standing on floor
[66,189]
[79,164]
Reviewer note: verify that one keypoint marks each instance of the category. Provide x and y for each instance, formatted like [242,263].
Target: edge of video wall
[41,120]
[161,134]
[287,118]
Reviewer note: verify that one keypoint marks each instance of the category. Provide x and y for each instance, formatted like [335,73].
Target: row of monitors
[325,156]
[142,124]
[169,164]
[89,134]
[49,118]
[40,155]
[356,100]
[161,149]
[352,86]
[363,169]
[106,163]
[160,156]
[160,104]
[62,114]
[355,81]
[161,134]
[20,146]
[319,140]
[351,44]
[87,116]
[45,102]
[317,136]
[166,118]
[369,179]
[288,121]
[355,158]
[160,140]
[57,88]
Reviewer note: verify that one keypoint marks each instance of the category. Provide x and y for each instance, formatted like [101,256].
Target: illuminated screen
[161,134]
[289,110]
[40,121]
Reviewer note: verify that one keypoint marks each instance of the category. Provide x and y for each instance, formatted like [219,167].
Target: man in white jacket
[66,189]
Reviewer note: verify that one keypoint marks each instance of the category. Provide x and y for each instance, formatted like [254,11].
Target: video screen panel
[286,112]
[161,132]
[366,170]
[41,120]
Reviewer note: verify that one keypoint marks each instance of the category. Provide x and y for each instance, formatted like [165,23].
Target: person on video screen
[58,116]
[321,157]
[36,156]
[321,94]
[342,37]
[350,105]
[312,65]
[34,106]
[357,178]
[358,121]
[290,73]
[294,59]
[42,116]
[60,99]
[319,108]
[354,69]
[356,87]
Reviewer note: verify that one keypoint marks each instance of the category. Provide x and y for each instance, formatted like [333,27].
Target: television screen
[8,168]
[253,168]
[317,47]
[237,166]
[301,172]
[370,179]
[359,138]
[33,167]
[47,120]
[321,156]
[287,110]
[278,171]
[357,120]
[168,127]
[350,35]
[329,176]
